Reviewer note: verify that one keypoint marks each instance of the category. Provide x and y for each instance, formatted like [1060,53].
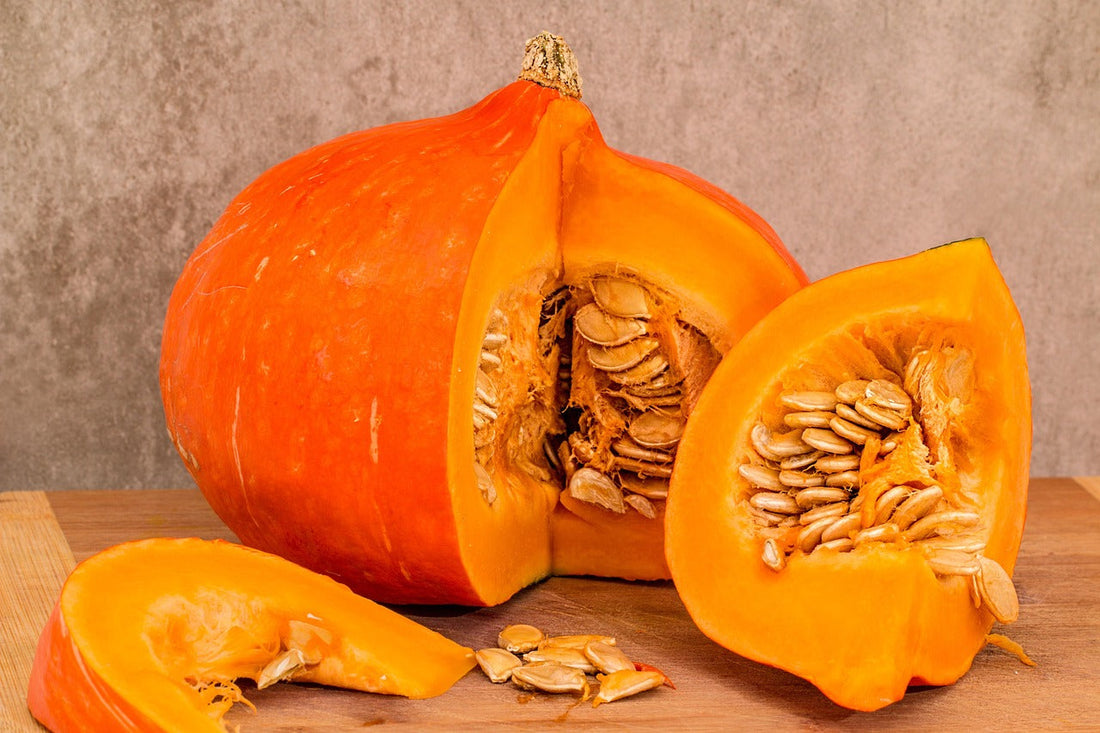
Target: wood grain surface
[1057,576]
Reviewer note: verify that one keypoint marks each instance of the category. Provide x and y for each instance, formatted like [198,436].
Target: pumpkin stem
[548,60]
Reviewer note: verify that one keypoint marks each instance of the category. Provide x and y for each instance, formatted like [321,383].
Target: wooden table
[1058,578]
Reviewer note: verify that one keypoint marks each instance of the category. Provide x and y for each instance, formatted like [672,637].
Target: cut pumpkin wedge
[151,635]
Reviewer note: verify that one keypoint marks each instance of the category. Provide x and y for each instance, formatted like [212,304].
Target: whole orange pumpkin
[442,359]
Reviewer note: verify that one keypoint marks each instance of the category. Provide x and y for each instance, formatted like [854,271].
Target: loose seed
[604,329]
[997,591]
[800,479]
[625,683]
[916,506]
[591,486]
[952,562]
[878,533]
[931,523]
[772,556]
[814,419]
[576,641]
[497,664]
[283,667]
[805,460]
[844,479]
[842,527]
[606,657]
[808,400]
[887,394]
[622,298]
[851,431]
[621,358]
[826,440]
[830,511]
[550,677]
[520,638]
[852,390]
[770,501]
[565,656]
[837,464]
[808,498]
[881,415]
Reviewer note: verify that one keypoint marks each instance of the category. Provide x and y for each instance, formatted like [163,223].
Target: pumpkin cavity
[863,444]
[588,391]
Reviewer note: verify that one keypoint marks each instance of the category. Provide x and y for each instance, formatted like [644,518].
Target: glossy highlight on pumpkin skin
[861,625]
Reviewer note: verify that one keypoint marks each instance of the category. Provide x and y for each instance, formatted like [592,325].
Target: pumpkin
[850,494]
[150,635]
[442,359]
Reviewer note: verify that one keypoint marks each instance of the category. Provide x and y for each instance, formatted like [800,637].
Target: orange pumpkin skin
[865,624]
[138,623]
[319,347]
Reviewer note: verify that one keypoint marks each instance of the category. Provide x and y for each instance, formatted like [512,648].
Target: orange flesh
[141,628]
[861,625]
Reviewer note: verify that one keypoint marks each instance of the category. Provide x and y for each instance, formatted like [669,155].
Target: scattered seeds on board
[565,664]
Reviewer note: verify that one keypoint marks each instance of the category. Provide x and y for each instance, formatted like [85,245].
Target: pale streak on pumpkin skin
[375,423]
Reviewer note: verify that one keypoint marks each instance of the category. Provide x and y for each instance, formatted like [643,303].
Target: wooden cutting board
[1058,578]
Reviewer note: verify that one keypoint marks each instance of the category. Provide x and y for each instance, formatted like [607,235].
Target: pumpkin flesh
[863,624]
[151,635]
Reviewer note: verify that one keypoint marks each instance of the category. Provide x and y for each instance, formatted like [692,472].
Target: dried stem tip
[548,61]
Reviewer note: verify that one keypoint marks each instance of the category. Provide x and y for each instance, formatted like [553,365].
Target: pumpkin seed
[607,658]
[770,501]
[493,340]
[644,372]
[851,431]
[626,682]
[808,498]
[630,449]
[813,419]
[841,544]
[887,394]
[888,501]
[520,638]
[621,358]
[997,591]
[852,390]
[794,463]
[283,667]
[642,468]
[929,524]
[656,429]
[489,361]
[603,329]
[837,463]
[809,401]
[916,506]
[878,533]
[641,505]
[761,442]
[654,489]
[841,527]
[831,511]
[952,562]
[485,484]
[881,415]
[826,440]
[844,479]
[550,677]
[810,535]
[848,413]
[622,298]
[497,664]
[789,444]
[591,486]
[772,556]
[563,655]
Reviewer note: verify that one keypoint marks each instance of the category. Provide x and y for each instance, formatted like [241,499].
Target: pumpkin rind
[136,625]
[861,625]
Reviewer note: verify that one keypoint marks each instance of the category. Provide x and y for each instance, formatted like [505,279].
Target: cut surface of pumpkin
[152,635]
[851,492]
[443,359]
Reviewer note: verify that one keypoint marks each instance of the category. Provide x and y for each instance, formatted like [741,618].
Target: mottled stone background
[860,130]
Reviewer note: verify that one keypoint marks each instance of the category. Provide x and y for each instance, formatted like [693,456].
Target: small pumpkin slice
[151,635]
[868,590]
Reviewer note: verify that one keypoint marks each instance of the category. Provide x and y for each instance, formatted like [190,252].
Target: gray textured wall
[860,130]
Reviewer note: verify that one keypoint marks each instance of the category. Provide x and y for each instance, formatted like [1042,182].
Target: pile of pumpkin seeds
[533,661]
